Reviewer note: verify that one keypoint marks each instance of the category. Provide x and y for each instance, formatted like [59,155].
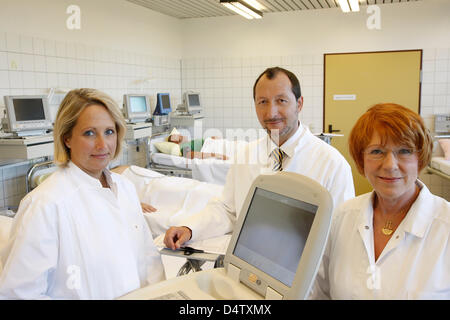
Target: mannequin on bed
[191,148]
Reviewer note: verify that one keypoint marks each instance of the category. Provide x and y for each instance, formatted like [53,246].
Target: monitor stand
[30,133]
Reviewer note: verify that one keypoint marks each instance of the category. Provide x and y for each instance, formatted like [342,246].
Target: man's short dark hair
[271,73]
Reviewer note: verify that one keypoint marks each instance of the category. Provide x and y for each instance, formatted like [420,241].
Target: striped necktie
[277,156]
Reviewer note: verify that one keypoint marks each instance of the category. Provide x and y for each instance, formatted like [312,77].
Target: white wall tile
[52,80]
[50,47]
[39,63]
[38,46]
[61,65]
[12,42]
[26,44]
[3,61]
[61,49]
[41,80]
[4,80]
[28,80]
[51,64]
[442,53]
[15,80]
[440,77]
[71,50]
[27,62]
[2,41]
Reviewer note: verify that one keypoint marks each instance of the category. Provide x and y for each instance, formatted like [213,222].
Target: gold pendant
[387,229]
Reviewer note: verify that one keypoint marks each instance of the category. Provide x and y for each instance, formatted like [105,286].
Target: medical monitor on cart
[192,102]
[27,115]
[136,107]
[163,106]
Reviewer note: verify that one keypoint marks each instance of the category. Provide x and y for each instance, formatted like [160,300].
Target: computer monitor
[26,114]
[136,107]
[162,104]
[192,102]
[281,234]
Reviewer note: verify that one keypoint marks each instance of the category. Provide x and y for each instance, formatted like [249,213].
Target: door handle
[330,129]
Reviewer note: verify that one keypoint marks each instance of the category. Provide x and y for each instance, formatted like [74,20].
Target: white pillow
[168,148]
[445,146]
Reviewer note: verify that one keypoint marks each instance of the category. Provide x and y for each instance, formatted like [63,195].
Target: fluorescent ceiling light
[344,5]
[245,8]
[237,10]
[354,5]
[255,4]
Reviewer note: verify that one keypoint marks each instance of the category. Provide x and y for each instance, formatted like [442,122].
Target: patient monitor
[136,107]
[191,104]
[27,115]
[275,249]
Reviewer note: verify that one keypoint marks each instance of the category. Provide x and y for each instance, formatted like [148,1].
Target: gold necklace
[387,229]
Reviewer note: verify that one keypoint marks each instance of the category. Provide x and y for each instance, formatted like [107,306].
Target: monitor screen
[165,101]
[138,104]
[29,109]
[284,224]
[194,100]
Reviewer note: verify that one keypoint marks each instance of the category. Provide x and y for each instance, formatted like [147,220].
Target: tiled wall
[436,100]
[30,65]
[226,87]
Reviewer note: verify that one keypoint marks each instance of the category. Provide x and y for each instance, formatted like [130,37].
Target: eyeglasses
[379,153]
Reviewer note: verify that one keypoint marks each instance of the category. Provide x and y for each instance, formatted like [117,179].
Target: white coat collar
[417,220]
[288,146]
[419,216]
[85,178]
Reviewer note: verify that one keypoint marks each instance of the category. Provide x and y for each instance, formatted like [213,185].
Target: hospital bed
[175,199]
[38,173]
[439,165]
[207,170]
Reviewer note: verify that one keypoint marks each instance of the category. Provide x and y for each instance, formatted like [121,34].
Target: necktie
[277,156]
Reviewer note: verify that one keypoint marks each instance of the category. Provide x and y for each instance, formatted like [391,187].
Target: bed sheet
[5,228]
[210,170]
[175,198]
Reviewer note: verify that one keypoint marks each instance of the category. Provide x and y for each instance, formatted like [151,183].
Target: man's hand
[147,208]
[176,236]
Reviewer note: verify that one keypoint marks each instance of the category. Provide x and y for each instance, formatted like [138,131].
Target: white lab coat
[74,239]
[415,264]
[307,155]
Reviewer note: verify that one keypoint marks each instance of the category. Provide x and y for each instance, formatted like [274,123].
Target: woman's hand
[147,208]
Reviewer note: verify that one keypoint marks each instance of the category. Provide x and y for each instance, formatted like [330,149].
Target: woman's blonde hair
[392,122]
[68,113]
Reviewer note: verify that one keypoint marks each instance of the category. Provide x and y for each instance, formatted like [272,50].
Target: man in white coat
[288,146]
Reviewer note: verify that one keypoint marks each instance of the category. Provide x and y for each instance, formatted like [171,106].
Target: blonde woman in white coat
[81,233]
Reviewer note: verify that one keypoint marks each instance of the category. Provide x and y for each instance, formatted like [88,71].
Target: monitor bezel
[45,124]
[189,108]
[135,116]
[159,110]
[306,190]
